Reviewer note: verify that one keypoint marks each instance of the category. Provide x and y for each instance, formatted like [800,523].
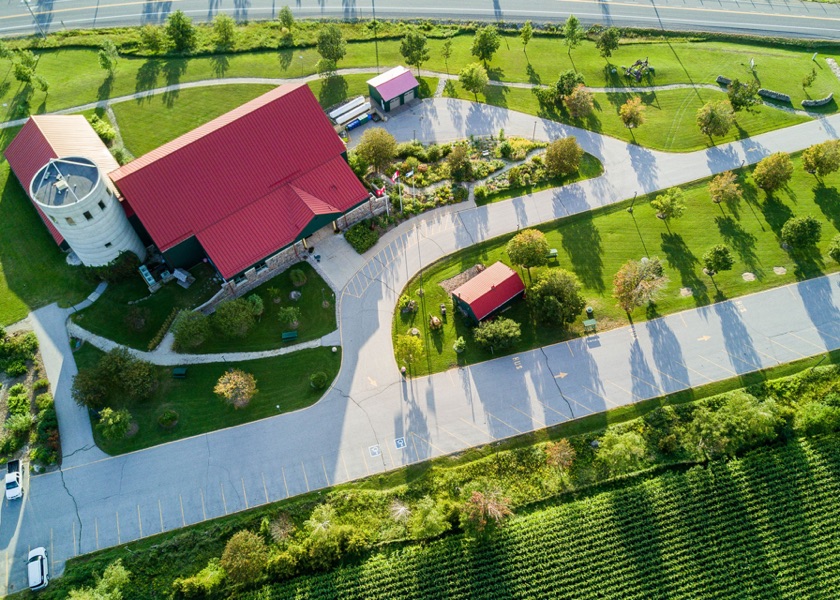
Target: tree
[484,511]
[715,118]
[560,454]
[414,49]
[286,18]
[742,95]
[224,28]
[607,42]
[377,148]
[331,45]
[801,232]
[638,282]
[632,113]
[562,157]
[181,31]
[716,259]
[567,82]
[113,424]
[572,33]
[527,249]
[137,380]
[460,165]
[108,56]
[245,556]
[834,248]
[89,389]
[27,58]
[498,334]
[190,329]
[408,349]
[22,73]
[724,188]
[555,297]
[234,318]
[526,33]
[669,204]
[822,159]
[257,305]
[153,38]
[108,587]
[289,315]
[236,387]
[579,103]
[485,43]
[773,172]
[621,452]
[446,52]
[809,79]
[473,78]
[5,51]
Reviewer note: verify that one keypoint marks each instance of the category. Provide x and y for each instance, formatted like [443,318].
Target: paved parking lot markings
[183,520]
[224,502]
[399,443]
[160,512]
[305,478]
[374,450]
[95,528]
[119,538]
[285,485]
[139,520]
[244,493]
[265,488]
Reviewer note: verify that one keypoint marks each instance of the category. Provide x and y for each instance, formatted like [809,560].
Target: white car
[38,569]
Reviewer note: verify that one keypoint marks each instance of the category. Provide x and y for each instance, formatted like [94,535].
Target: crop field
[764,526]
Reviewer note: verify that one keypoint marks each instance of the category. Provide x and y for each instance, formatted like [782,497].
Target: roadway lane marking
[183,519]
[224,502]
[265,488]
[139,520]
[285,485]
[244,493]
[119,537]
[160,512]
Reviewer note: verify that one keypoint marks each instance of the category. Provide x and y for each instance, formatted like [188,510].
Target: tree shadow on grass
[220,64]
[172,71]
[333,90]
[742,241]
[582,242]
[776,213]
[680,257]
[828,199]
[104,91]
[809,262]
[533,76]
[147,77]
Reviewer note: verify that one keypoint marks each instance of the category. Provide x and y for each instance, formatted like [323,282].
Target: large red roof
[45,137]
[245,184]
[490,289]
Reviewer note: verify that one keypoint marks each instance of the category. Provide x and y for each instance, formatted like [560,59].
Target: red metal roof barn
[488,292]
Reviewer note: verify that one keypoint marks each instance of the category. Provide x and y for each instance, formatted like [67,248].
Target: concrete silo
[74,195]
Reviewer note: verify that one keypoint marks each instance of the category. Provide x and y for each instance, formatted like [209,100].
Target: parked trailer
[353,114]
[354,103]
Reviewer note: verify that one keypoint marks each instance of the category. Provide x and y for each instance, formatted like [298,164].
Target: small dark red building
[488,292]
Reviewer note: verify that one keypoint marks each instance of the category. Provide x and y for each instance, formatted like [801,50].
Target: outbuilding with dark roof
[486,294]
[393,88]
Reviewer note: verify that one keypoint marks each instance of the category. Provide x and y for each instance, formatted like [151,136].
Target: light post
[37,24]
[375,39]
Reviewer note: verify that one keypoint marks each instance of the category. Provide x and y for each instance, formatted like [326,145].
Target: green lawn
[595,244]
[127,314]
[589,167]
[33,271]
[670,116]
[282,381]
[315,321]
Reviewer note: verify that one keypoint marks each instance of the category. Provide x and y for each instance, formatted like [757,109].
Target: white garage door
[409,96]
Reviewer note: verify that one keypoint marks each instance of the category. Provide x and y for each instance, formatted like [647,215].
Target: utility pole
[375,39]
[37,24]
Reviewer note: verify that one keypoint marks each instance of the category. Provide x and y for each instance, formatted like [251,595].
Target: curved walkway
[370,70]
[373,420]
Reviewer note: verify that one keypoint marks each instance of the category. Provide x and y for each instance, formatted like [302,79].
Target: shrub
[318,380]
[16,368]
[190,329]
[120,269]
[17,389]
[813,418]
[480,193]
[113,424]
[621,452]
[168,418]
[18,404]
[121,155]
[245,557]
[289,315]
[497,334]
[298,277]
[44,402]
[427,520]
[362,236]
[560,454]
[18,425]
[256,304]
[103,129]
[236,387]
[155,341]
[799,232]
[234,318]
[484,511]
[460,344]
[834,248]
[203,584]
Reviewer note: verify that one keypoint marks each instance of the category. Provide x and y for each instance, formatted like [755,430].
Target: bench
[552,254]
[288,336]
[179,373]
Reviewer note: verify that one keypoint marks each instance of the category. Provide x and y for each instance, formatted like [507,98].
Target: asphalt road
[767,17]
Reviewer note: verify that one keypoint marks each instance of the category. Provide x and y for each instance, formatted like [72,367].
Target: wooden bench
[552,255]
[179,373]
[288,336]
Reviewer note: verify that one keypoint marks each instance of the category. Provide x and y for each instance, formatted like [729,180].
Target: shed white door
[409,96]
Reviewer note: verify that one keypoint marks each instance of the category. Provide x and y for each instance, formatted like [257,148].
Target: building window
[87,215]
[70,220]
[108,245]
[101,205]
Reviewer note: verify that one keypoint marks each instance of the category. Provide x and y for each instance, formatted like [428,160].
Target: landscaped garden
[162,408]
[509,516]
[594,245]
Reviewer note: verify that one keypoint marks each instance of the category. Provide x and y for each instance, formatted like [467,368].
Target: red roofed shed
[45,137]
[245,185]
[393,88]
[488,292]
